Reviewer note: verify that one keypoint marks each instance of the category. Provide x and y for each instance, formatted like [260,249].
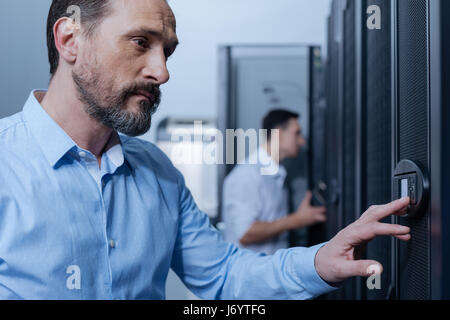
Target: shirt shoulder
[11,125]
[14,139]
[16,147]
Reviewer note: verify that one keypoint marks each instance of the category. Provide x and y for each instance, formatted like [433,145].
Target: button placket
[105,235]
[95,171]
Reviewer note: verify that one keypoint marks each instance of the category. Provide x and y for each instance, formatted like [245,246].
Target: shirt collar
[114,150]
[54,141]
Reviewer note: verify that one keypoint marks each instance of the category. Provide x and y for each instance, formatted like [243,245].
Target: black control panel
[410,180]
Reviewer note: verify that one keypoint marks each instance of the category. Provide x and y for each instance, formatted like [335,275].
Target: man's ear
[66,32]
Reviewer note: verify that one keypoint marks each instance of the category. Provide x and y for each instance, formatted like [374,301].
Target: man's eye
[141,42]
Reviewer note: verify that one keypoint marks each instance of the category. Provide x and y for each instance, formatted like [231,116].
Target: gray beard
[111,113]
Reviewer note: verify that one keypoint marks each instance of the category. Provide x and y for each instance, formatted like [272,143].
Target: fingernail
[404,229]
[373,269]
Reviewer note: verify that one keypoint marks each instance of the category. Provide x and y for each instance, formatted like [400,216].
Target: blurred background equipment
[256,79]
[186,142]
[183,141]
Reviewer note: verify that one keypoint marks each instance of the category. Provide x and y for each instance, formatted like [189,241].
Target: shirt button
[82,154]
[112,244]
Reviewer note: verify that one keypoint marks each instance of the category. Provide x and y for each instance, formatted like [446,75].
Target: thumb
[308,197]
[322,210]
[362,268]
[321,216]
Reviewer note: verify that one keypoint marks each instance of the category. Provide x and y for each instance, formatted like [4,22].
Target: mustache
[151,89]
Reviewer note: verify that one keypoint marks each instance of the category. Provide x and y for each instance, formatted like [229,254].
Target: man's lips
[145,94]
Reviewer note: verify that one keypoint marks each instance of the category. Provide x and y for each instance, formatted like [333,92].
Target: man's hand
[307,215]
[338,259]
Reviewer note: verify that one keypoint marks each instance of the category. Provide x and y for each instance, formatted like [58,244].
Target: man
[255,206]
[88,214]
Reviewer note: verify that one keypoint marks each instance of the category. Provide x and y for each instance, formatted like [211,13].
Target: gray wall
[23,63]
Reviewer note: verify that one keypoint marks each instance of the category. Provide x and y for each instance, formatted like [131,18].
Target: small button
[112,244]
[412,195]
[82,154]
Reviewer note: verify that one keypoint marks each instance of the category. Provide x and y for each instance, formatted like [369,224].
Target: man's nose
[156,68]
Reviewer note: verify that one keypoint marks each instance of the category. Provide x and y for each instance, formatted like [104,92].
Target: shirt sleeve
[241,205]
[214,269]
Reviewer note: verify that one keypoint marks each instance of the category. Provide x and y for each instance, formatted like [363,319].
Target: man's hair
[277,119]
[92,13]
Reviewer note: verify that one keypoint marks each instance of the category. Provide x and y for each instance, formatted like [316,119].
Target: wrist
[297,221]
[287,224]
[320,266]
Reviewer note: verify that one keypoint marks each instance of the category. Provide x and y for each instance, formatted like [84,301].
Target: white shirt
[249,196]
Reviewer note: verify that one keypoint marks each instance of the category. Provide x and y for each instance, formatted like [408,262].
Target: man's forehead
[294,123]
[155,14]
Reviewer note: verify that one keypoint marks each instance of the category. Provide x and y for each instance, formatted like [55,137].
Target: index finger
[386,210]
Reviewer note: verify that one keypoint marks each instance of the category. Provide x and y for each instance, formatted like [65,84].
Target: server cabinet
[333,136]
[411,137]
[334,118]
[255,79]
[349,127]
[368,167]
[394,80]
[419,135]
[341,124]
[376,139]
[361,108]
[317,159]
[440,149]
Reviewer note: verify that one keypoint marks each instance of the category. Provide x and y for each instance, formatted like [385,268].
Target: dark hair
[277,119]
[92,13]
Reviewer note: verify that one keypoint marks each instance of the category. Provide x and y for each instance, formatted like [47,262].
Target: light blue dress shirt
[72,230]
[250,196]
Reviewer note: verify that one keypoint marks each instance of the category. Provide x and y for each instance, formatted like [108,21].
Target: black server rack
[420,135]
[349,114]
[440,149]
[411,137]
[332,140]
[342,124]
[362,133]
[334,117]
[228,118]
[317,159]
[395,81]
[376,137]
[349,127]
